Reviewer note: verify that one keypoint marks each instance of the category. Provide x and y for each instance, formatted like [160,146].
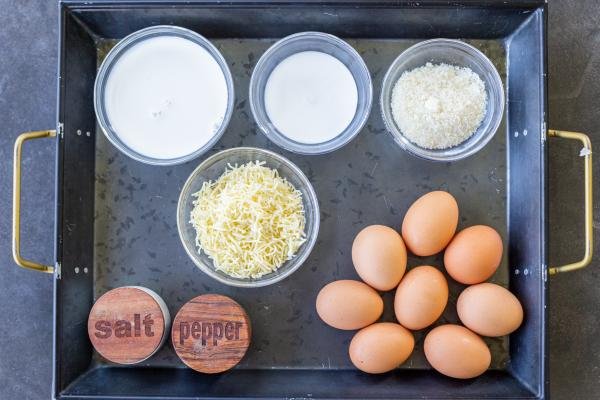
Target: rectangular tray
[116,217]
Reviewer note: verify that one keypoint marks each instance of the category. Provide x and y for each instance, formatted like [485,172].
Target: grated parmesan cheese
[439,106]
[249,221]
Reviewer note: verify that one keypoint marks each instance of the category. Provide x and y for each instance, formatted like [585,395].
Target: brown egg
[379,256]
[489,310]
[349,304]
[430,223]
[381,347]
[421,297]
[474,254]
[455,351]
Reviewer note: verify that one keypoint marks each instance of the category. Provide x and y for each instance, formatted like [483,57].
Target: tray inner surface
[369,181]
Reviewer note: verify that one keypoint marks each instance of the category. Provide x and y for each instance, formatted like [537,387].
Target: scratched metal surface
[369,181]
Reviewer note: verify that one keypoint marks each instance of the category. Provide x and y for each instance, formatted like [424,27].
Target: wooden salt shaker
[211,333]
[127,325]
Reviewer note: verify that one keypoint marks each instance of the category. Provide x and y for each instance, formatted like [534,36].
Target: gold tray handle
[16,217]
[586,153]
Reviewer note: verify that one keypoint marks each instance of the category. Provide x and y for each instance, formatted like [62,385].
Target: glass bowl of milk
[311,93]
[163,95]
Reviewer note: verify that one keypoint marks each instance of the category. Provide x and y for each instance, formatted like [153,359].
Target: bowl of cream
[311,93]
[163,95]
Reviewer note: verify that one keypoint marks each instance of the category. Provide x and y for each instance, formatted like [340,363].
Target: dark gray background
[28,48]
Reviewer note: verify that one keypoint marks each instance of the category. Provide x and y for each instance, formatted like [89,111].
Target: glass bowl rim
[297,261]
[312,148]
[113,55]
[485,137]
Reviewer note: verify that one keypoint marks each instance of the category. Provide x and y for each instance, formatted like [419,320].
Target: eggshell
[348,304]
[474,254]
[455,351]
[381,347]
[430,223]
[379,256]
[421,297]
[489,310]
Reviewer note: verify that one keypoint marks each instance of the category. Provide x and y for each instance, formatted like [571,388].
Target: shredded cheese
[439,106]
[249,221]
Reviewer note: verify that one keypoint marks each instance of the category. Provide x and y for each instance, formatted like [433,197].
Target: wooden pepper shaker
[211,333]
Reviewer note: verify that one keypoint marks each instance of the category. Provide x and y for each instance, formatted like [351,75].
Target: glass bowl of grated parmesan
[248,217]
[442,100]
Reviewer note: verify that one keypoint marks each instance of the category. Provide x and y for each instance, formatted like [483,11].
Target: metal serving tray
[115,217]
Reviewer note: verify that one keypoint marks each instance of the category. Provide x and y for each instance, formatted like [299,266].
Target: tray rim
[68,6]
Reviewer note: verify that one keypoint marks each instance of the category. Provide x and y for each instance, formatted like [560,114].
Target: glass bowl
[311,41]
[453,52]
[211,169]
[113,56]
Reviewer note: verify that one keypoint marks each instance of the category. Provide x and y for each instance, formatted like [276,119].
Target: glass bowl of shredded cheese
[248,217]
[442,100]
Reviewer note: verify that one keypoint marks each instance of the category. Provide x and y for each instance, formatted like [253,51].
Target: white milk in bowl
[311,97]
[165,98]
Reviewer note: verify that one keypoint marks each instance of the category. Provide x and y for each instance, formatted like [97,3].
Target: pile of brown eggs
[379,255]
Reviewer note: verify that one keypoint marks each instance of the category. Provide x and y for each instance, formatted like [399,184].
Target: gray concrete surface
[28,52]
